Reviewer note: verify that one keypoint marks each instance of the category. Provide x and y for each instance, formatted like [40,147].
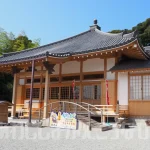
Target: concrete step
[85,119]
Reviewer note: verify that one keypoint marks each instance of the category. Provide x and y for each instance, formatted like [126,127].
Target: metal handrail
[68,103]
[76,104]
[91,105]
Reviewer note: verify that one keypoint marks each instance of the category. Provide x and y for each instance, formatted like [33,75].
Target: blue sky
[52,20]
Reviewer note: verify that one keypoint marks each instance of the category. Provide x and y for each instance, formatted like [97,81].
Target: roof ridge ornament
[95,26]
[95,21]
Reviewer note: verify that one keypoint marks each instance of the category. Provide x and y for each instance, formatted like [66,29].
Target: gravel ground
[24,138]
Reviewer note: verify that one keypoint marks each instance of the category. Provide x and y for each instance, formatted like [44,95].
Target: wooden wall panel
[111,92]
[3,113]
[139,108]
[20,94]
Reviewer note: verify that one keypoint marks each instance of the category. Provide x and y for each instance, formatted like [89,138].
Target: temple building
[88,59]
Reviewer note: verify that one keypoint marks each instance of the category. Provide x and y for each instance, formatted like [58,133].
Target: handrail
[91,105]
[20,104]
[76,104]
[104,105]
[68,103]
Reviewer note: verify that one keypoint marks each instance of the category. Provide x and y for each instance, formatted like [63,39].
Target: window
[140,87]
[97,92]
[27,93]
[43,93]
[146,87]
[54,93]
[54,79]
[92,92]
[36,93]
[71,78]
[65,92]
[75,94]
[135,87]
[37,80]
[93,76]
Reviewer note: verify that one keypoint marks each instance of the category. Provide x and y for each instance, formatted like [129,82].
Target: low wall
[139,108]
[3,113]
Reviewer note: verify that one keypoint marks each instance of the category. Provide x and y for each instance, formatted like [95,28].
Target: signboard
[63,120]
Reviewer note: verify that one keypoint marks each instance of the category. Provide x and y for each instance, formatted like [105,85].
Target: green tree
[10,43]
[6,40]
[143,31]
[23,42]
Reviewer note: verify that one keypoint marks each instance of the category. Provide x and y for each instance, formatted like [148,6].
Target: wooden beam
[42,72]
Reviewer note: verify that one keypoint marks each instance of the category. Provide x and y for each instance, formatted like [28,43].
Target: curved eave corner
[142,49]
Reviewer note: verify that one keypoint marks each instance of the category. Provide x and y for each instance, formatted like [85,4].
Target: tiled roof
[131,64]
[6,103]
[89,41]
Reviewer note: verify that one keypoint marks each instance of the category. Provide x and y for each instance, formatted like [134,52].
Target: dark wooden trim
[49,67]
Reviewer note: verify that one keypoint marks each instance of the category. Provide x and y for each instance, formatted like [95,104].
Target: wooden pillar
[46,96]
[41,81]
[60,77]
[31,91]
[116,86]
[105,68]
[14,96]
[81,78]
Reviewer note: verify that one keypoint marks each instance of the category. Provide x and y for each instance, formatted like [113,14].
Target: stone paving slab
[26,138]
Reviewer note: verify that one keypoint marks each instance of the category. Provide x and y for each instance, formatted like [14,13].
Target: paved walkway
[24,138]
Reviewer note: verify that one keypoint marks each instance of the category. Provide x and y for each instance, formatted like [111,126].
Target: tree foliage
[6,86]
[10,43]
[143,31]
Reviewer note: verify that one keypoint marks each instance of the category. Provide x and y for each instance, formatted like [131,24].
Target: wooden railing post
[89,116]
[76,107]
[39,115]
[63,106]
[102,116]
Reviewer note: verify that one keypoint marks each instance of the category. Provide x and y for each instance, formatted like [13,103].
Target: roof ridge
[30,49]
[130,35]
[111,34]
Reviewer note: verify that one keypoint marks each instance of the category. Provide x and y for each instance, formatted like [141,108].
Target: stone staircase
[94,124]
[83,123]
